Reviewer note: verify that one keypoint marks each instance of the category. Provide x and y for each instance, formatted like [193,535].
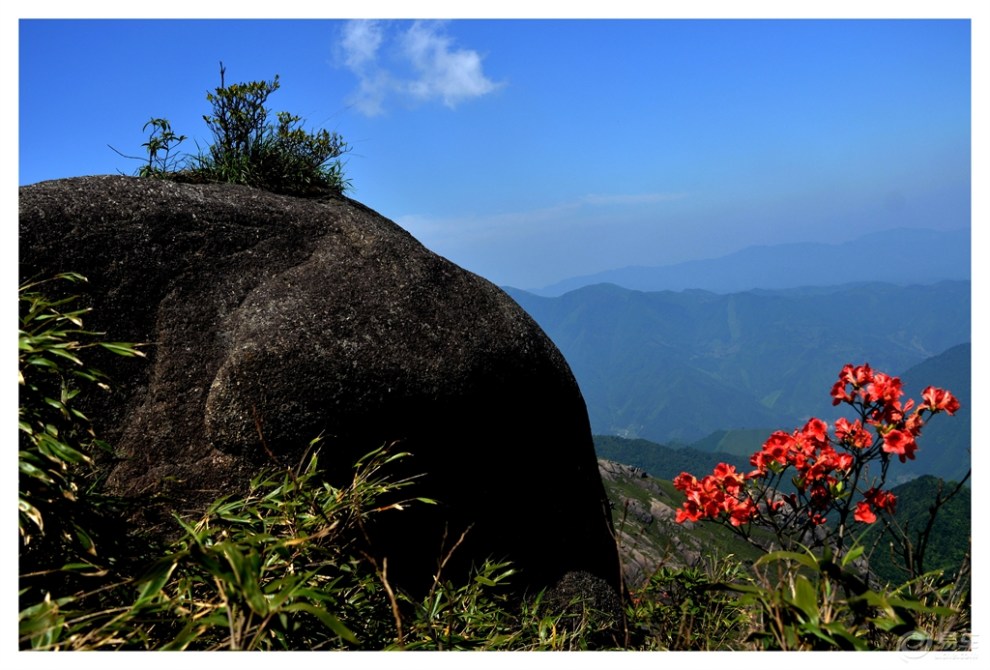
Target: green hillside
[946,441]
[674,367]
[742,442]
[662,462]
[949,540]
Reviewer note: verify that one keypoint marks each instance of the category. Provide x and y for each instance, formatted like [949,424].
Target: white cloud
[431,67]
[450,74]
[360,43]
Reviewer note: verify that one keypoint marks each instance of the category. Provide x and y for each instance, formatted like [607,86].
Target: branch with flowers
[808,486]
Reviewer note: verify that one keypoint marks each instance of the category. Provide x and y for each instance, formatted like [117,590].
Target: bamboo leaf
[804,559]
[328,620]
[122,348]
[153,583]
[805,599]
[853,554]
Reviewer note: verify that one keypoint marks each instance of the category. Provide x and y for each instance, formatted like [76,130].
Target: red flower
[884,500]
[730,480]
[823,467]
[863,512]
[684,481]
[885,389]
[839,393]
[777,446]
[689,512]
[716,494]
[816,430]
[742,512]
[857,377]
[900,442]
[938,400]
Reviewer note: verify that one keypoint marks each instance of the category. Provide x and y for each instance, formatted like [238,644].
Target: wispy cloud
[559,215]
[542,245]
[360,43]
[420,63]
[630,198]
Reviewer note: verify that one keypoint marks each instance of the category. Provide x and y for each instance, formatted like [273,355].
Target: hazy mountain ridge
[900,256]
[673,367]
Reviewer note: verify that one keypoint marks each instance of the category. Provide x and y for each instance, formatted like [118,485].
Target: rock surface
[644,517]
[289,318]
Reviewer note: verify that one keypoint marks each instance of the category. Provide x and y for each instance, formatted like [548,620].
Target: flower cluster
[826,468]
[877,397]
[818,465]
[721,492]
[874,499]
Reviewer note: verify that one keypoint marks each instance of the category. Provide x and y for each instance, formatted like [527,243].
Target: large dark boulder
[286,318]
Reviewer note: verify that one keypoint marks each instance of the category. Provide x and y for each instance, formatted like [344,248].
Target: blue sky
[531,151]
[534,150]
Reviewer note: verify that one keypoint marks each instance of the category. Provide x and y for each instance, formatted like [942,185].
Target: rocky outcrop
[271,320]
[646,532]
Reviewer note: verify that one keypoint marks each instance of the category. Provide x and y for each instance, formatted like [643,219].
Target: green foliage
[281,157]
[916,541]
[57,443]
[240,118]
[160,145]
[251,148]
[751,601]
[270,570]
[691,608]
[472,615]
[286,567]
[278,568]
[804,602]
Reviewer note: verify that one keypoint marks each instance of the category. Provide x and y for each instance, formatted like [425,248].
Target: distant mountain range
[676,367]
[900,256]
